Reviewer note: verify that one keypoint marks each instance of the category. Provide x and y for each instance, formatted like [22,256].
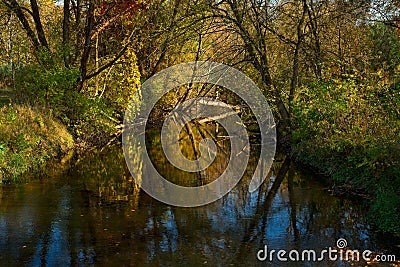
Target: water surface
[95,214]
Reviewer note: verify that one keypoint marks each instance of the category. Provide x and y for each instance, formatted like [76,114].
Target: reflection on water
[95,214]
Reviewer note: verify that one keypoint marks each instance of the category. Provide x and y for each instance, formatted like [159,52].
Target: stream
[93,213]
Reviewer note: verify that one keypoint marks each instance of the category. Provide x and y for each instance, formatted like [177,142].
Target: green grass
[29,137]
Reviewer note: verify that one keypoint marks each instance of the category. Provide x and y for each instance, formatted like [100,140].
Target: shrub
[87,118]
[29,137]
[349,129]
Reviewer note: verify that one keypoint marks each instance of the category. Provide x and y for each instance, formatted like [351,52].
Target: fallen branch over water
[349,190]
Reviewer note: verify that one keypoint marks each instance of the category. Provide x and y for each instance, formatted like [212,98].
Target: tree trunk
[87,46]
[38,24]
[295,67]
[65,41]
[16,8]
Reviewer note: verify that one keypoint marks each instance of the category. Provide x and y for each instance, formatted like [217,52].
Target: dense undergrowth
[85,117]
[349,129]
[28,138]
[47,116]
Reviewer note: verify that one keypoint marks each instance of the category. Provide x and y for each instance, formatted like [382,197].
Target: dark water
[94,214]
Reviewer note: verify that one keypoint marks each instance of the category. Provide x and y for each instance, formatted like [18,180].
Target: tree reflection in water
[96,214]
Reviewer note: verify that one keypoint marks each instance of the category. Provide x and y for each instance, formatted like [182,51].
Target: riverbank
[95,208]
[29,137]
[38,127]
[348,130]
[345,129]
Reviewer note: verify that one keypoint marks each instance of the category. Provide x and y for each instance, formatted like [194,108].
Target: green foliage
[88,118]
[27,141]
[349,129]
[385,46]
[385,210]
[29,137]
[5,74]
[117,85]
[45,86]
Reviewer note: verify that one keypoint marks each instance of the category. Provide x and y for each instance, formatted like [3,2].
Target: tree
[256,23]
[90,18]
[36,36]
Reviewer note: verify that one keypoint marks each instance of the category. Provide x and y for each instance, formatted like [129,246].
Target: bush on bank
[48,115]
[53,88]
[28,138]
[349,128]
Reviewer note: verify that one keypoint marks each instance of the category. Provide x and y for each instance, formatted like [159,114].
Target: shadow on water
[95,214]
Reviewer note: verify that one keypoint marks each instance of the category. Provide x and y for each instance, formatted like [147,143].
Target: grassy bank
[349,130]
[43,116]
[35,130]
[28,138]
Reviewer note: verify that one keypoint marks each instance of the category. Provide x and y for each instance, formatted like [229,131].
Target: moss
[28,138]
